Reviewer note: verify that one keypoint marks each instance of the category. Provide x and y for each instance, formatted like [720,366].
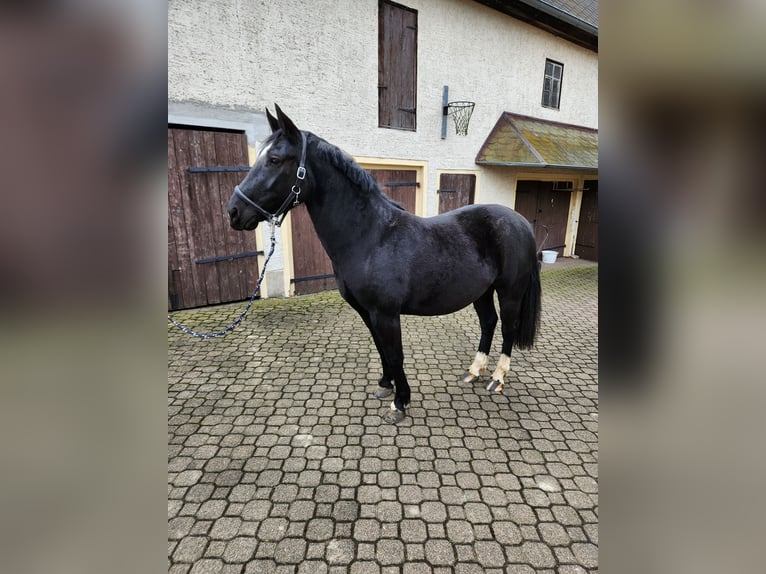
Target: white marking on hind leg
[498,377]
[477,368]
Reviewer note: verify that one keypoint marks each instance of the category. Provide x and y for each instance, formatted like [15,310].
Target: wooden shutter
[397,66]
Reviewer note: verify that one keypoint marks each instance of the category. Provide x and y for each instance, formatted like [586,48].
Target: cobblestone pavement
[279,460]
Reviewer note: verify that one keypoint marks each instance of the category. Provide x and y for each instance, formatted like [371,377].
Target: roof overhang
[523,141]
[553,19]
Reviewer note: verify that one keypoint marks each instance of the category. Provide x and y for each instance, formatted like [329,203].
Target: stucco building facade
[320,60]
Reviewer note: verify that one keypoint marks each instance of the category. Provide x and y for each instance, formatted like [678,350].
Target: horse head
[273,185]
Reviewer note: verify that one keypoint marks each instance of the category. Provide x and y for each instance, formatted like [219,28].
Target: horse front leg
[386,383]
[386,329]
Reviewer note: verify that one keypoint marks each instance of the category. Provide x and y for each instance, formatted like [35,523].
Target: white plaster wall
[319,60]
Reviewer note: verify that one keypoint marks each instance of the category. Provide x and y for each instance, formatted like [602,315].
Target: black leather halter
[291,200]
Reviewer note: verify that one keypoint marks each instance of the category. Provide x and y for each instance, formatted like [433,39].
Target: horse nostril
[233,213]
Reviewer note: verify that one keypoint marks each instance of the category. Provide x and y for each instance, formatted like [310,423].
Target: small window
[397,66]
[552,84]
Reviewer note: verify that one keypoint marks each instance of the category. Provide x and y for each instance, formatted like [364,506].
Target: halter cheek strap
[291,200]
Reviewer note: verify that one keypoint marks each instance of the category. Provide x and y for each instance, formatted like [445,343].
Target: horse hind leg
[509,323]
[485,309]
[520,316]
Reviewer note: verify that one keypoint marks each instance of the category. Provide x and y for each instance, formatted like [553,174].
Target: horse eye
[274,161]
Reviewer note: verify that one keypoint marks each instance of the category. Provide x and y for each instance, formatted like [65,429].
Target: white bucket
[550,256]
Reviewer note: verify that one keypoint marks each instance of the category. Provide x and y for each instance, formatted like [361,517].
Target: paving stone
[433,511]
[489,553]
[261,566]
[340,551]
[367,530]
[265,477]
[190,549]
[506,532]
[256,510]
[415,552]
[460,532]
[586,554]
[439,552]
[240,549]
[389,511]
[179,527]
[553,534]
[388,552]
[417,568]
[211,509]
[477,513]
[345,510]
[577,499]
[290,551]
[187,478]
[365,567]
[571,569]
[272,529]
[319,529]
[312,567]
[538,555]
[410,494]
[207,566]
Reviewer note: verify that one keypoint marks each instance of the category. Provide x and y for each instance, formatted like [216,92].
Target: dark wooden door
[312,267]
[208,261]
[456,190]
[399,184]
[547,210]
[586,245]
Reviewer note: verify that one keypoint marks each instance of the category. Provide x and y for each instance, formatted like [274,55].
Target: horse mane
[355,173]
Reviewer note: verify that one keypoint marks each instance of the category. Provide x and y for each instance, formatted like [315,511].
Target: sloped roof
[585,10]
[573,20]
[518,140]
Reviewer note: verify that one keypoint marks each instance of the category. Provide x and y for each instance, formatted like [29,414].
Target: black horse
[389,262]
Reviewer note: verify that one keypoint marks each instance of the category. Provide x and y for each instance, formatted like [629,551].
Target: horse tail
[529,315]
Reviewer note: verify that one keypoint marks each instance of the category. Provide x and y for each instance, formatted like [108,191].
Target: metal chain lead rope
[239,319]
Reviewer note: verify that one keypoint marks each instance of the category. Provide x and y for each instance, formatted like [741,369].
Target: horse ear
[288,127]
[273,122]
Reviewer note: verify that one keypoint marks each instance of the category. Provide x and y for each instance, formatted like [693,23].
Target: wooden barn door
[586,245]
[401,185]
[455,190]
[547,210]
[312,268]
[208,261]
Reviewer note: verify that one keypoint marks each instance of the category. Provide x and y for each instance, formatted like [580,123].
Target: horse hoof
[382,392]
[468,378]
[393,417]
[496,386]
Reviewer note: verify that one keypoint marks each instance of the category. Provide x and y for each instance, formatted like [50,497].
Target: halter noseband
[291,200]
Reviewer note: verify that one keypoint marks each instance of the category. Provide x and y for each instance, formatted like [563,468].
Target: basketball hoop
[461,115]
